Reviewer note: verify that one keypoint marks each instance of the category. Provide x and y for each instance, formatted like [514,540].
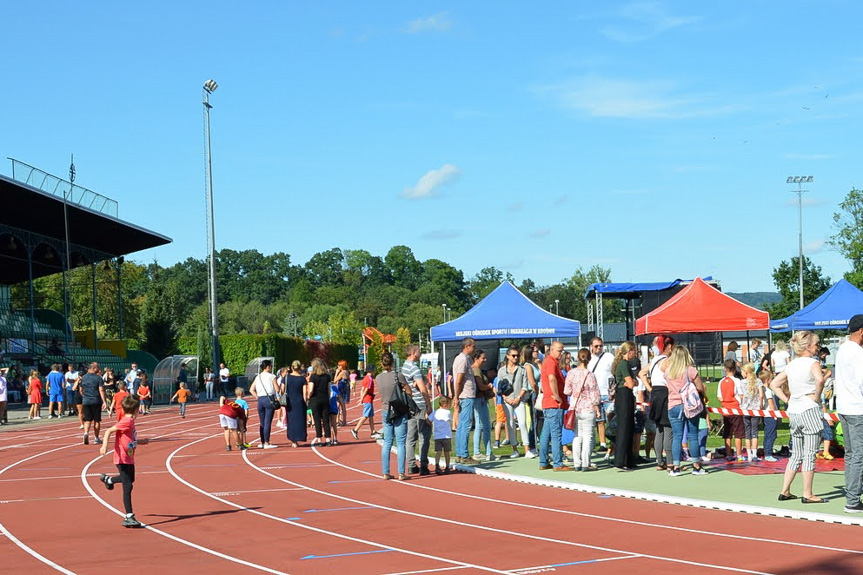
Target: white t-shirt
[738,388]
[780,360]
[656,375]
[224,373]
[441,423]
[266,384]
[71,378]
[600,365]
[800,384]
[3,388]
[848,379]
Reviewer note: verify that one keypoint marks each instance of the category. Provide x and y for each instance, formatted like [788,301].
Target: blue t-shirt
[242,403]
[498,399]
[56,383]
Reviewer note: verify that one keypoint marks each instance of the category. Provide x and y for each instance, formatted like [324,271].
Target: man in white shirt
[848,388]
[224,378]
[600,364]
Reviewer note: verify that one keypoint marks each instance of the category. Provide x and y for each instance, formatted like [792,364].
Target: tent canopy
[701,308]
[632,290]
[831,310]
[506,313]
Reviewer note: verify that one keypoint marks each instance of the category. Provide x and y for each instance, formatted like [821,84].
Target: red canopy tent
[702,308]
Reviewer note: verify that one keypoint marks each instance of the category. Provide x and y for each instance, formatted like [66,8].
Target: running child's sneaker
[354,434]
[130,521]
[107,481]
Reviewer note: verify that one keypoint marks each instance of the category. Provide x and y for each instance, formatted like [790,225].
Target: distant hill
[759,299]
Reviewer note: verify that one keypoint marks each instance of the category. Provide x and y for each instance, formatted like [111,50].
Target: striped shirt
[411,373]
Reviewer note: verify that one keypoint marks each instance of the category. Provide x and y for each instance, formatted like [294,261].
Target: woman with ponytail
[625,369]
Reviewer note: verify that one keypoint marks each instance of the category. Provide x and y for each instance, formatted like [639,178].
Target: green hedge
[239,349]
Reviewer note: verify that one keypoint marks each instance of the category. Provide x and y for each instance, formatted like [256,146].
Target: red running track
[327,510]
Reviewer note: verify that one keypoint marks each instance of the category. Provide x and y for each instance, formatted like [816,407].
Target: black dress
[624,412]
[296,408]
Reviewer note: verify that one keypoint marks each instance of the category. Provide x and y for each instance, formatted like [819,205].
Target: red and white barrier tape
[762,413]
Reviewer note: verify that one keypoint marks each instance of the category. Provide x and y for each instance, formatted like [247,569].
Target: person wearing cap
[848,389]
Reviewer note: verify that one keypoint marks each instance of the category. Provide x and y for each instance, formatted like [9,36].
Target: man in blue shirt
[56,391]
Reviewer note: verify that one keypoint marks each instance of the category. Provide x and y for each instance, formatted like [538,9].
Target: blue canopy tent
[831,310]
[505,313]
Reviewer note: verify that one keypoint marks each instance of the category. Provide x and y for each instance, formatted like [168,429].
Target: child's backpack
[692,404]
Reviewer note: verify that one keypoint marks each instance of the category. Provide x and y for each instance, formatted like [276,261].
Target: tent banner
[513,332]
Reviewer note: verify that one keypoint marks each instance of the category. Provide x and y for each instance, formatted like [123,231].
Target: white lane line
[316,529]
[2,502]
[168,535]
[602,517]
[496,530]
[426,571]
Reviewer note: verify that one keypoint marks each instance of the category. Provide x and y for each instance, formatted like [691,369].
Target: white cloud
[437,23]
[441,234]
[608,97]
[645,20]
[428,185]
[814,247]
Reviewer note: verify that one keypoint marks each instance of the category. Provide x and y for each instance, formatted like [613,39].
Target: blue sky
[652,138]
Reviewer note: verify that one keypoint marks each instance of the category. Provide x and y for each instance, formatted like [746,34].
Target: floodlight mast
[210,87]
[800,180]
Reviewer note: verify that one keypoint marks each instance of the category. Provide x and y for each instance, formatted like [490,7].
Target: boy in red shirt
[230,413]
[182,396]
[125,443]
[367,398]
[144,395]
[729,392]
[118,399]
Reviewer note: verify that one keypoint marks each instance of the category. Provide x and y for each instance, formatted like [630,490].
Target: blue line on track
[346,554]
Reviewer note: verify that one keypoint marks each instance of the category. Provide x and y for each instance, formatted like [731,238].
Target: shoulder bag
[271,394]
[400,403]
[692,404]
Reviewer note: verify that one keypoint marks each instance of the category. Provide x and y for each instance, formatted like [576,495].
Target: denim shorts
[604,406]
[828,433]
[368,409]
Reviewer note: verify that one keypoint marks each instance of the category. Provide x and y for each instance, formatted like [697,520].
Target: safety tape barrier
[762,413]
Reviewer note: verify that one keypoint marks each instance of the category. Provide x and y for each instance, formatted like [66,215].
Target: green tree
[578,283]
[403,340]
[375,351]
[786,278]
[159,331]
[486,280]
[848,236]
[403,267]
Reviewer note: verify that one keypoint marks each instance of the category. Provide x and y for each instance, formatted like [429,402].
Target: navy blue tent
[831,310]
[506,313]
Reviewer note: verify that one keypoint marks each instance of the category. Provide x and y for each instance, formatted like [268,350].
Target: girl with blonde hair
[753,398]
[680,370]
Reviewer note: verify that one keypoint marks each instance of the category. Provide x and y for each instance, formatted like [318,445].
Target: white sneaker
[531,454]
[480,457]
[706,459]
[515,455]
[38,417]
[770,458]
[270,446]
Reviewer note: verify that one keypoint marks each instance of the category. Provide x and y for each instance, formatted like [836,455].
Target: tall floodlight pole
[67,268]
[210,87]
[800,180]
[557,307]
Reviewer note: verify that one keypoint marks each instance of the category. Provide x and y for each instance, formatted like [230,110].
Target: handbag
[271,395]
[692,404]
[569,419]
[400,403]
[504,387]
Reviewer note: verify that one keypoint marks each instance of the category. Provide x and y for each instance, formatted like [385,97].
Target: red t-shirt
[728,393]
[231,409]
[549,367]
[368,389]
[125,441]
[143,392]
[118,403]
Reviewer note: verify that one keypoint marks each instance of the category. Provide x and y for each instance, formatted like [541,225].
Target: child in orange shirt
[125,443]
[182,396]
[145,395]
[118,399]
[730,392]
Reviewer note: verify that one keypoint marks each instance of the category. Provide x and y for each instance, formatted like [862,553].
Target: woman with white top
[658,411]
[805,382]
[263,387]
[780,357]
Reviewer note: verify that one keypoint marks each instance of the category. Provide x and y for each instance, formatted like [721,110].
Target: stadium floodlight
[800,180]
[210,87]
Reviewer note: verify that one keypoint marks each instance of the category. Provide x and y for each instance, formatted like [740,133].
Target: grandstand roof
[93,235]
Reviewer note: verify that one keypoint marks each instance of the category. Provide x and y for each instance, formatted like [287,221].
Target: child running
[117,401]
[182,396]
[441,420]
[145,395]
[125,443]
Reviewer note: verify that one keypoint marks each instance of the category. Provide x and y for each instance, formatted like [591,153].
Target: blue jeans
[551,433]
[70,399]
[398,429]
[678,422]
[465,420]
[265,417]
[482,430]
